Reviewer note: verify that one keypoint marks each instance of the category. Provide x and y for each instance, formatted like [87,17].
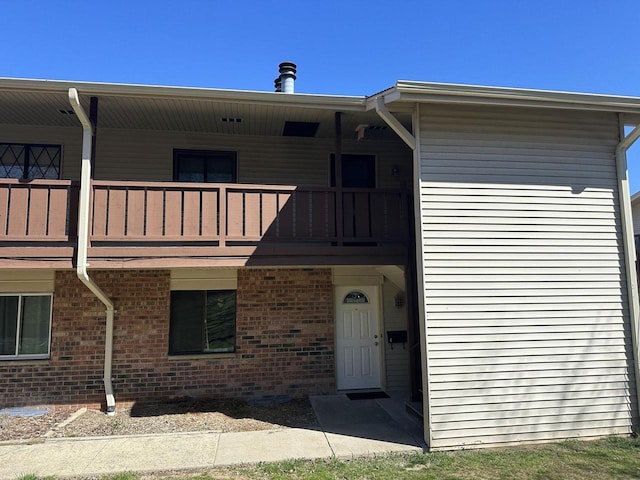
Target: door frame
[337,301]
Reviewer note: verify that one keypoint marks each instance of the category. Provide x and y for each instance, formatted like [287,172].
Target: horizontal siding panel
[543,317]
[517,285]
[549,373]
[521,364]
[565,391]
[561,360]
[594,417]
[516,189]
[508,329]
[525,295]
[465,352]
[565,208]
[501,432]
[544,435]
[543,334]
[450,228]
[534,400]
[477,196]
[530,413]
[500,348]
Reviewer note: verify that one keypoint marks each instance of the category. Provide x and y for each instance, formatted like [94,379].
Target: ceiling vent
[300,129]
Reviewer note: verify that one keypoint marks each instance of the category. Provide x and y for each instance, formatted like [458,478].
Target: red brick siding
[284,342]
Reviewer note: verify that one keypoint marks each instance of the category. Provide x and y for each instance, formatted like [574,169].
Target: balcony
[153,224]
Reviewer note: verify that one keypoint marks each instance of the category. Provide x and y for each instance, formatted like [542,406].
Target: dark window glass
[19,160]
[358,171]
[27,317]
[204,166]
[202,321]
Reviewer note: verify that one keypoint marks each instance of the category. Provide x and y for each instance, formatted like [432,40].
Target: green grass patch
[610,458]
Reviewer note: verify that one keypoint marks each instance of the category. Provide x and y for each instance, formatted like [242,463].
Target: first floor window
[25,325]
[202,321]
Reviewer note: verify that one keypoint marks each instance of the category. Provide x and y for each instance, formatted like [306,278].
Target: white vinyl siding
[527,324]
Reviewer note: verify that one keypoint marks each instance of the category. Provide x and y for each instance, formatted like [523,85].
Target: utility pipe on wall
[83,244]
[628,242]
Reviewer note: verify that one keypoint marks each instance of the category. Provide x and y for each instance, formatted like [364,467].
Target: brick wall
[284,342]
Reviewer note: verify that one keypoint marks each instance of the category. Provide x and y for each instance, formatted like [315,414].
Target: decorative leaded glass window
[30,161]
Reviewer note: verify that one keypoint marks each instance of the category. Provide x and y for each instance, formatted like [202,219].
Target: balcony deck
[153,224]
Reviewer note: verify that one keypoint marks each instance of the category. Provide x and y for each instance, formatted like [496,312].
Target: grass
[611,458]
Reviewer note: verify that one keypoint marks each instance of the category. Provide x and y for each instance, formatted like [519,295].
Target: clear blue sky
[341,47]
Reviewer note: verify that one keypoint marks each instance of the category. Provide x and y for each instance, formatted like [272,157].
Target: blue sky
[341,47]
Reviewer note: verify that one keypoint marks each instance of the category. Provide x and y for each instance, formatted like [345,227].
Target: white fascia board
[411,91]
[302,100]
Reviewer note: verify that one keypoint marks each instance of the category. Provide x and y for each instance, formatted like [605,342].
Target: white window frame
[31,356]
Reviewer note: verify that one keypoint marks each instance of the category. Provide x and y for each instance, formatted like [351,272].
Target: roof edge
[460,93]
[161,91]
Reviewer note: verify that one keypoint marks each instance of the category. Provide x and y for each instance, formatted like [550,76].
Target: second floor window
[30,161]
[204,166]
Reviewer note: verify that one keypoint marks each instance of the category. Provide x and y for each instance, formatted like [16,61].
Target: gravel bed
[25,428]
[222,415]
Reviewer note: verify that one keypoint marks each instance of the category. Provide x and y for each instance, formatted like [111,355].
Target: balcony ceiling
[193,114]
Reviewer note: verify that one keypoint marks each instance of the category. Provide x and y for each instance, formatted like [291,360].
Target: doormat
[366,395]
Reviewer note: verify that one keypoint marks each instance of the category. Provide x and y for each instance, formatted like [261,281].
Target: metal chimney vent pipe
[287,76]
[278,84]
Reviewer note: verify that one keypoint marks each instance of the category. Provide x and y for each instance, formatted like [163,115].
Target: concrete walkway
[348,428]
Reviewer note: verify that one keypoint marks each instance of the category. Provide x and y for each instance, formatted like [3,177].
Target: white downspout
[629,244]
[83,244]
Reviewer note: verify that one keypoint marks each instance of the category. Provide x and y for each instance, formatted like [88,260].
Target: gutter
[629,244]
[301,100]
[83,244]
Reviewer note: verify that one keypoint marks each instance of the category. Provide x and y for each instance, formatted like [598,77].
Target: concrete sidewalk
[348,428]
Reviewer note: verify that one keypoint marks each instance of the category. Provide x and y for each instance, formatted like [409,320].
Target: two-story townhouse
[166,241]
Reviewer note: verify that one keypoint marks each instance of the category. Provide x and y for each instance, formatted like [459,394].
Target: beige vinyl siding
[146,155]
[27,281]
[396,356]
[527,327]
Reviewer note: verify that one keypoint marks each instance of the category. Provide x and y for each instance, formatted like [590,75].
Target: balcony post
[338,175]
[222,215]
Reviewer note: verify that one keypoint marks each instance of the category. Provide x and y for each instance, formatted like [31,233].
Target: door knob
[376,344]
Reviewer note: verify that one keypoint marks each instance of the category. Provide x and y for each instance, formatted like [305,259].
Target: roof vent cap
[287,77]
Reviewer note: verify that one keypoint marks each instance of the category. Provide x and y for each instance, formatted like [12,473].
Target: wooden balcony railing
[38,210]
[228,214]
[46,211]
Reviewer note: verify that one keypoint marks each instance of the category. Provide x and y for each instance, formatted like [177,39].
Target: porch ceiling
[188,114]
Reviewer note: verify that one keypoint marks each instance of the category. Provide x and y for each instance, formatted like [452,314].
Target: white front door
[357,338]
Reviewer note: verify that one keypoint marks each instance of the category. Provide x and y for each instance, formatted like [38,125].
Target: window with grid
[30,161]
[25,326]
[202,321]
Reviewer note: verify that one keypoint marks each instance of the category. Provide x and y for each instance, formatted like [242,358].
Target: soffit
[184,114]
